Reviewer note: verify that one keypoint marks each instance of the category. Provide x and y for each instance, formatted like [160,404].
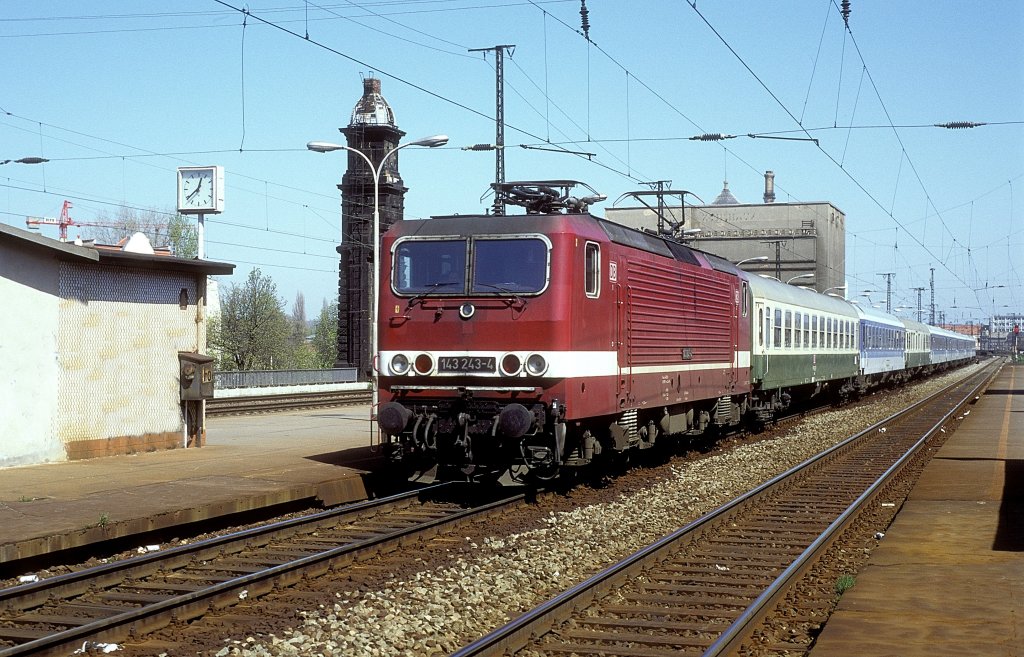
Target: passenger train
[543,341]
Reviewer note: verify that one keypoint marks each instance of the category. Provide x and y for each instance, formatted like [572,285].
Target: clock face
[196,189]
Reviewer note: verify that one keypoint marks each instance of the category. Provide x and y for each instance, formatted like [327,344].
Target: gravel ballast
[461,589]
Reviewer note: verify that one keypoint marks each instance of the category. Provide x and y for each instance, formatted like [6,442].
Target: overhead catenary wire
[828,155]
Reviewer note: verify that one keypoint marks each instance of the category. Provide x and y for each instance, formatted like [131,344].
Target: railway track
[706,588]
[131,598]
[271,403]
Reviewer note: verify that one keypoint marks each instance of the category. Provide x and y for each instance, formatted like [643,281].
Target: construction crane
[64,220]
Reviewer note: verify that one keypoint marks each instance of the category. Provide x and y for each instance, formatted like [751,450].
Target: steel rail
[284,402]
[71,584]
[740,629]
[534,623]
[148,618]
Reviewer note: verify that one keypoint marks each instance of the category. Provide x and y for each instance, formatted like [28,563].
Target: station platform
[948,576]
[320,456]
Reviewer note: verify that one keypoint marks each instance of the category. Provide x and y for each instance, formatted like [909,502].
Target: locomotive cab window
[509,265]
[430,267]
[499,266]
[593,270]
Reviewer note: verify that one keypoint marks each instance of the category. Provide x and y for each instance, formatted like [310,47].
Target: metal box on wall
[195,373]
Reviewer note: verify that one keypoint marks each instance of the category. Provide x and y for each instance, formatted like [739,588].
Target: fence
[265,378]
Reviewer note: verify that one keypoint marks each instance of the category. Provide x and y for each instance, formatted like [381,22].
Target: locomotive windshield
[498,266]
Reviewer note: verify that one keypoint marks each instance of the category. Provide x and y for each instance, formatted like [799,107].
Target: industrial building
[92,342]
[802,243]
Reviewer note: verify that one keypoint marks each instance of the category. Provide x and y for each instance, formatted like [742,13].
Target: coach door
[623,339]
[760,341]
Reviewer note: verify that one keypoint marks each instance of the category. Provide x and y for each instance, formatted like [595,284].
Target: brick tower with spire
[372,131]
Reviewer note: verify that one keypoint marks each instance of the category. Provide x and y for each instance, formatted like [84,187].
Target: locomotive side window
[430,266]
[593,269]
[746,295]
[517,265]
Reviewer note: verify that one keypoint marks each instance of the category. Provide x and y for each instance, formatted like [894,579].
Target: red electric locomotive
[530,343]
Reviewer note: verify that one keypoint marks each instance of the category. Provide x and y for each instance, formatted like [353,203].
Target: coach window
[814,332]
[760,326]
[593,265]
[777,338]
[789,329]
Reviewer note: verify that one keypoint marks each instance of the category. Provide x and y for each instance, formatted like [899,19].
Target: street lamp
[760,258]
[834,287]
[327,147]
[799,277]
[34,160]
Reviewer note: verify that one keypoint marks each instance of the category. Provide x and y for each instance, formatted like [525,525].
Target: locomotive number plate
[466,364]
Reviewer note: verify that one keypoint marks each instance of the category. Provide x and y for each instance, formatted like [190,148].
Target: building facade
[800,242]
[90,342]
[1002,325]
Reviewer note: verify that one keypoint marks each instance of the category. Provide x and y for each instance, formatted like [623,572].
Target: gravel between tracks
[456,591]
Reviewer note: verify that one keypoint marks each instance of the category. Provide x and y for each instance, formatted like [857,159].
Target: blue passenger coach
[947,346]
[882,343]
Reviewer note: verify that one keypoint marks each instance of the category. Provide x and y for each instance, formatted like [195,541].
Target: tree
[163,229]
[325,335]
[302,355]
[299,327]
[252,332]
[183,237]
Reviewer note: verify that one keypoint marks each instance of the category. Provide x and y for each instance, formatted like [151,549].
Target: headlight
[511,365]
[424,364]
[536,365]
[399,364]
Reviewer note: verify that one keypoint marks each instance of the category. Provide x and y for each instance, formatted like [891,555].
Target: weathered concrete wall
[29,305]
[119,336]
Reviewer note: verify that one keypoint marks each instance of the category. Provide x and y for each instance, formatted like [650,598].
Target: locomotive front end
[470,339]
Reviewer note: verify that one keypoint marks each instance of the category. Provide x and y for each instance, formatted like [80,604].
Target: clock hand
[195,191]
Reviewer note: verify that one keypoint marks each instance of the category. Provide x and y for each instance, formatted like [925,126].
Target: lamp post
[795,278]
[760,258]
[834,287]
[327,147]
[34,160]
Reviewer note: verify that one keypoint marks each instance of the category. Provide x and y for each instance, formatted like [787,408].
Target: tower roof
[725,197]
[372,109]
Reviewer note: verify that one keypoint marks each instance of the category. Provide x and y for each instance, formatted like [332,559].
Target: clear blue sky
[117,95]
